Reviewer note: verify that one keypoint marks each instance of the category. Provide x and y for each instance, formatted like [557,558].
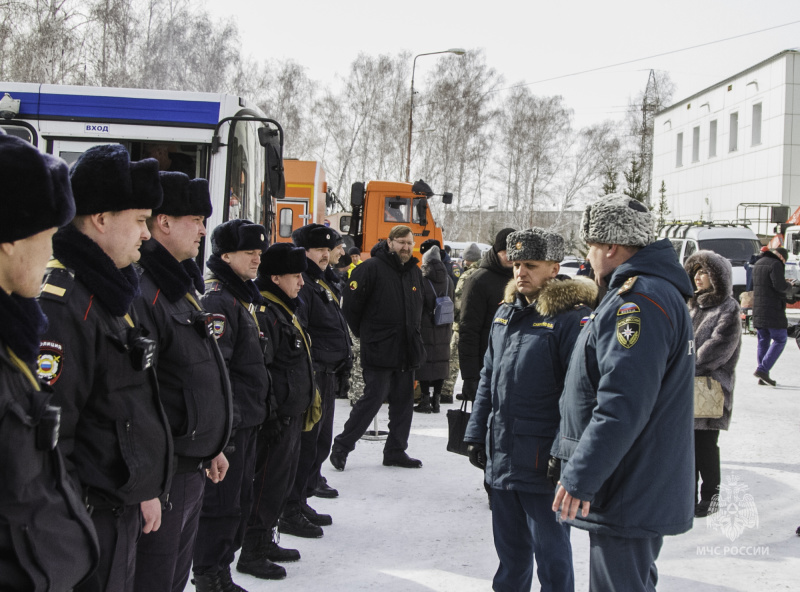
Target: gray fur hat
[471,253]
[617,219]
[535,244]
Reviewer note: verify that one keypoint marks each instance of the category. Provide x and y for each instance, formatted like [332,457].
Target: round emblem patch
[50,362]
[353,285]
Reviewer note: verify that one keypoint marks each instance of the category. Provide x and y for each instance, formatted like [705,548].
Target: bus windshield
[247,158]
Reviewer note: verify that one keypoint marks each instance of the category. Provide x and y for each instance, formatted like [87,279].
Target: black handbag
[457,420]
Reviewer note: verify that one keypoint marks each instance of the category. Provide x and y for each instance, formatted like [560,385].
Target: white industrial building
[734,143]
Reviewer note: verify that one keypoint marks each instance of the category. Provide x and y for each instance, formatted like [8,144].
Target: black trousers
[706,463]
[118,529]
[164,557]
[275,476]
[315,444]
[226,507]
[398,387]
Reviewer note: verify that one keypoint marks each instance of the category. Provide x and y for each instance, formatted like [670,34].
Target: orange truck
[377,206]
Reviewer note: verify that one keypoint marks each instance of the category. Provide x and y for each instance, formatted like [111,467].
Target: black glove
[344,386]
[469,389]
[271,430]
[477,455]
[554,470]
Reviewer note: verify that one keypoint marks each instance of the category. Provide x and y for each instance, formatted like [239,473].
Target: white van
[737,243]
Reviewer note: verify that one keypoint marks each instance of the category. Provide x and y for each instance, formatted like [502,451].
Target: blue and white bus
[219,137]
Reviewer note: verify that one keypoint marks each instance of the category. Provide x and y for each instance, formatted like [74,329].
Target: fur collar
[21,324]
[114,288]
[246,291]
[169,275]
[191,267]
[557,296]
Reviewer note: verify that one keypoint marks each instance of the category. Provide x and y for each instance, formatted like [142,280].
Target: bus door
[291,216]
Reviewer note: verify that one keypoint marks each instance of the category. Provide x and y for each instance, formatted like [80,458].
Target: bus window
[170,157]
[285,224]
[247,173]
[395,209]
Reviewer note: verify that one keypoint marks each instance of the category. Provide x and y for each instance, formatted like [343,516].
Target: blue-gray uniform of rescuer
[47,539]
[627,410]
[515,415]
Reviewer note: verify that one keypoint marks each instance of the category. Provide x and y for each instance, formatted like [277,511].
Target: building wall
[712,186]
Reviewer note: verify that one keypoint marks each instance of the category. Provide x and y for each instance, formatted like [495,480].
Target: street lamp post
[455,50]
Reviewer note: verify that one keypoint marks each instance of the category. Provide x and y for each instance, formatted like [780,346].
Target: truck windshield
[736,250]
[246,192]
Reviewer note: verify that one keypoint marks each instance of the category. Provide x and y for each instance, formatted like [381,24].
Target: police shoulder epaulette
[58,282]
[628,285]
[212,285]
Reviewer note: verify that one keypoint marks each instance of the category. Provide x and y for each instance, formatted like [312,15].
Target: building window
[696,144]
[712,139]
[285,224]
[733,135]
[756,124]
[679,151]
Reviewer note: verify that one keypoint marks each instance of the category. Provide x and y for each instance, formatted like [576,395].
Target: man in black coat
[769,310]
[383,308]
[47,540]
[482,295]
[114,432]
[232,297]
[192,377]
[289,361]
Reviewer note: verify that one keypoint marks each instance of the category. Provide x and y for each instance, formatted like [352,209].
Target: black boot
[295,523]
[424,403]
[207,583]
[315,517]
[253,559]
[226,582]
[437,399]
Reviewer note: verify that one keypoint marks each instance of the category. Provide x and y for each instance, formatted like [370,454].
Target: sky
[531,41]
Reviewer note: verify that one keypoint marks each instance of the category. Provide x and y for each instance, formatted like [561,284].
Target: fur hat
[283,258]
[184,197]
[426,245]
[617,219]
[500,239]
[354,251]
[102,181]
[238,235]
[336,238]
[314,236]
[34,190]
[471,253]
[535,244]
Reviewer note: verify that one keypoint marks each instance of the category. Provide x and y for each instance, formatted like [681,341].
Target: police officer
[321,312]
[627,410]
[38,501]
[99,361]
[279,280]
[232,297]
[193,380]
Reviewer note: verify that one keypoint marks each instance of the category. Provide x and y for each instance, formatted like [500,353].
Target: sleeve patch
[627,308]
[50,362]
[354,285]
[218,324]
[628,331]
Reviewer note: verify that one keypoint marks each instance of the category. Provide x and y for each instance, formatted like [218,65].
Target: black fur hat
[314,236]
[426,245]
[34,190]
[336,238]
[184,197]
[283,258]
[238,235]
[101,181]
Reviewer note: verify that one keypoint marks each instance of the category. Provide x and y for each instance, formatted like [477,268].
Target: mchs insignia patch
[628,331]
[51,361]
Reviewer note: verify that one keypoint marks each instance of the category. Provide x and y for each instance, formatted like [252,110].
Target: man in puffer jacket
[515,416]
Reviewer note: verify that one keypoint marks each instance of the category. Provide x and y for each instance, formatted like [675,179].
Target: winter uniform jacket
[515,412]
[289,365]
[483,293]
[320,312]
[383,308]
[769,292]
[245,349]
[465,275]
[192,377]
[717,331]
[114,432]
[627,410]
[435,338]
[47,540]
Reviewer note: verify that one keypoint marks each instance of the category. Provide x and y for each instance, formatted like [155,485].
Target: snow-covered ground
[405,530]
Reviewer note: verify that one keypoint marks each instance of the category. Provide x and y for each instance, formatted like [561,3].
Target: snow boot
[424,403]
[207,583]
[437,399]
[226,581]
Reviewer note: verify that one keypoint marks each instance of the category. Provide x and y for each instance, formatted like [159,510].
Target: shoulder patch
[628,285]
[500,321]
[627,308]
[50,362]
[354,285]
[218,323]
[57,284]
[585,320]
[628,331]
[544,324]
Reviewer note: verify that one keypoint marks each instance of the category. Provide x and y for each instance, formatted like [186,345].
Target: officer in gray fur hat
[539,320]
[627,409]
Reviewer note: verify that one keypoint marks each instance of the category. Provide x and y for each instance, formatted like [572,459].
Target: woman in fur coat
[717,341]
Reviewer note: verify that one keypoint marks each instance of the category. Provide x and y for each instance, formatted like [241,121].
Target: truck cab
[737,243]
